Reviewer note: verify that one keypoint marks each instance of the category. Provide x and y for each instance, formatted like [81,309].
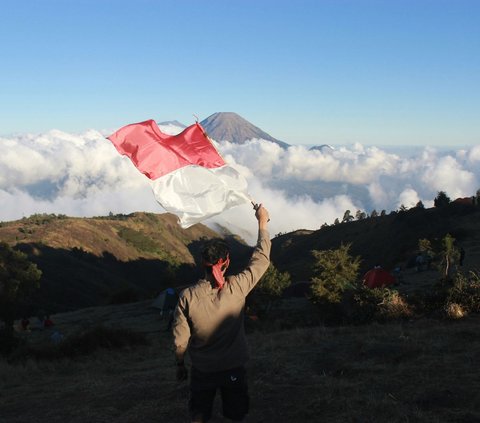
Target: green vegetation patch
[139,240]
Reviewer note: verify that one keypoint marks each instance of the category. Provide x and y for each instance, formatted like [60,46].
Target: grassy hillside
[422,371]
[96,261]
[417,369]
[389,240]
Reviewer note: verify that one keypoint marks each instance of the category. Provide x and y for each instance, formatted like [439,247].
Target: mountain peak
[229,126]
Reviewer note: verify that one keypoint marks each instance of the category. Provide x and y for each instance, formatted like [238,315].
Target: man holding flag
[209,325]
[190,179]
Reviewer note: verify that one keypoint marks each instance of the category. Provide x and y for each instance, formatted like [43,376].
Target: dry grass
[422,371]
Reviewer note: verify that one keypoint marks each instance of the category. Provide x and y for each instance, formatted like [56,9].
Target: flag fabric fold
[188,176]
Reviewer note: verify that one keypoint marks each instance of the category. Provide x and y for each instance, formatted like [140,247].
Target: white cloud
[447,174]
[474,154]
[83,175]
[408,197]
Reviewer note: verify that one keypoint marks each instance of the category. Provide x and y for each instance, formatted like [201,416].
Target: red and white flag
[189,177]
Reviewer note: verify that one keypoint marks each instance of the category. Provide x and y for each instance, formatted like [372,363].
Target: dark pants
[233,387]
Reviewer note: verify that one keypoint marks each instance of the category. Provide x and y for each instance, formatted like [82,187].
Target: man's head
[216,260]
[215,250]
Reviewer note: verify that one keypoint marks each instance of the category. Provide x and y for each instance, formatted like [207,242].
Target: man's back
[211,319]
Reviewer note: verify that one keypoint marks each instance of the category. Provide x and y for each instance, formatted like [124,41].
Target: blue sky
[376,72]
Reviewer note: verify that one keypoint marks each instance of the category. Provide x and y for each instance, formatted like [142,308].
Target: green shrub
[363,303]
[273,282]
[465,292]
[335,271]
[377,304]
[268,291]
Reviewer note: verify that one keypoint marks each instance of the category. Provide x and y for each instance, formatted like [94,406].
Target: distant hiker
[209,324]
[419,261]
[56,337]
[166,303]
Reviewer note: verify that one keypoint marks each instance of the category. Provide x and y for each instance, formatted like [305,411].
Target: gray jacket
[208,322]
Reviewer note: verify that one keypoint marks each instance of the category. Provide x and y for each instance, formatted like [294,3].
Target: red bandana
[217,271]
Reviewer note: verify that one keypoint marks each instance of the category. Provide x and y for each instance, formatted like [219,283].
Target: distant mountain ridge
[322,148]
[229,126]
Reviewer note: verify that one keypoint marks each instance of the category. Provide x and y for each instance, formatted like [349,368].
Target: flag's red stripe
[155,154]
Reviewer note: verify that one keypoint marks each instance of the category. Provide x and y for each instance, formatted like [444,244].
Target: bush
[268,290]
[273,282]
[465,293]
[378,304]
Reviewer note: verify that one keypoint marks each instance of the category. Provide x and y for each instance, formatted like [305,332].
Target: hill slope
[94,261]
[388,241]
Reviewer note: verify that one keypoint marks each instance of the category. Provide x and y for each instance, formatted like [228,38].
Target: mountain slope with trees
[389,240]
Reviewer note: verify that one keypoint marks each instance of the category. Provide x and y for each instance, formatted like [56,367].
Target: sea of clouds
[83,175]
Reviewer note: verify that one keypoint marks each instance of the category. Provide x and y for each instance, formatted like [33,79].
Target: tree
[270,287]
[402,208]
[18,278]
[347,216]
[425,246]
[450,254]
[336,222]
[442,199]
[360,215]
[374,213]
[334,272]
[383,213]
[419,205]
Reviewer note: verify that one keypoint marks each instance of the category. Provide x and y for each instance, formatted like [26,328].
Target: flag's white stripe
[195,193]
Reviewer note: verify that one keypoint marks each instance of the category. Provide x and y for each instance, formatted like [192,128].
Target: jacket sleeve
[245,281]
[181,328]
